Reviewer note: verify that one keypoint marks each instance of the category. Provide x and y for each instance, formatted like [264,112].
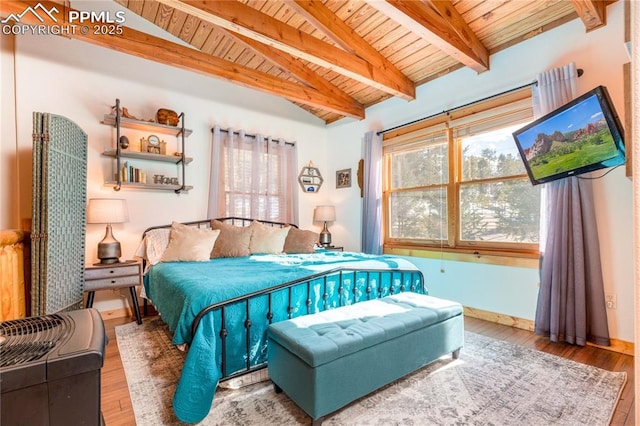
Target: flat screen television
[580,136]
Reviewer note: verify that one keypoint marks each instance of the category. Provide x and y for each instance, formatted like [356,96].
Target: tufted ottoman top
[320,338]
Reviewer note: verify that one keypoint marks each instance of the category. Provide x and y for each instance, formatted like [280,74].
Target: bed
[220,308]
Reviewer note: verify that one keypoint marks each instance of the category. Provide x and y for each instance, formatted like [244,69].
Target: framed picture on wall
[343,178]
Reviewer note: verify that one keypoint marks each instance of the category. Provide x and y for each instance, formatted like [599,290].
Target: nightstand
[115,275]
[334,248]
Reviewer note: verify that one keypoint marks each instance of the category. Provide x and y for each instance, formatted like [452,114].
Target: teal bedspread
[180,290]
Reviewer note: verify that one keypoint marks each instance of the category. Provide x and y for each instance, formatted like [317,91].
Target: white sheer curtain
[372,194]
[252,177]
[571,304]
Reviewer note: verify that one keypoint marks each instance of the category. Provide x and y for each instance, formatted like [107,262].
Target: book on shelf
[128,173]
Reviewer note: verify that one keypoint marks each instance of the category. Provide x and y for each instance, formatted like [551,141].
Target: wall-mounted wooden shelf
[310,179]
[110,120]
[140,185]
[130,176]
[111,152]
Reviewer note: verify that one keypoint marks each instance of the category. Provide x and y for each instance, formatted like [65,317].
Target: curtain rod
[447,111]
[254,136]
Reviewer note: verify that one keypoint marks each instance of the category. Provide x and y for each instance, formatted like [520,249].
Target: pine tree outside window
[457,183]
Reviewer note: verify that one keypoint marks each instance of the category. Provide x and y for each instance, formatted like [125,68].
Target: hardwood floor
[116,404]
[117,409]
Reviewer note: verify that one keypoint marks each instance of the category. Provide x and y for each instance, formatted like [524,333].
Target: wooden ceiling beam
[245,20]
[343,35]
[292,66]
[438,22]
[592,12]
[322,18]
[143,45]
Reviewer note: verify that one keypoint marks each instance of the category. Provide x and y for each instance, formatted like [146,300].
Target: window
[257,177]
[457,182]
[496,203]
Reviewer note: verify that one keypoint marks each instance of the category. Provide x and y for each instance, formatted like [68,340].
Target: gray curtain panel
[372,194]
[571,305]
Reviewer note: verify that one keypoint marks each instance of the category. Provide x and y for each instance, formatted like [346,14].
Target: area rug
[492,383]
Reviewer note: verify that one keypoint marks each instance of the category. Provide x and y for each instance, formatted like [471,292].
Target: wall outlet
[610,301]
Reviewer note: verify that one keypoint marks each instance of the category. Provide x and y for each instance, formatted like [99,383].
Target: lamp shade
[107,210]
[324,214]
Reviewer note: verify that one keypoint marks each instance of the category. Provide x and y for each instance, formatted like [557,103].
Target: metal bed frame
[410,280]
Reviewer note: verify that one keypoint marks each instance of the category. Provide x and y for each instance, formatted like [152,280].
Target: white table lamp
[108,211]
[325,214]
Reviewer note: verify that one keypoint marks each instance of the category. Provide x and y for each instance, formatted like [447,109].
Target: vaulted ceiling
[335,57]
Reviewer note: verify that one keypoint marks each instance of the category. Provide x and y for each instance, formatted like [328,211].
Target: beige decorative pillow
[233,241]
[267,239]
[189,244]
[300,241]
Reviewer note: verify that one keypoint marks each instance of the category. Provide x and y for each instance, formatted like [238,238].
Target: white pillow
[153,245]
[267,239]
[189,244]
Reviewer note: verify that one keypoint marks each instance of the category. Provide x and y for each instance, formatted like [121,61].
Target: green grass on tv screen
[565,156]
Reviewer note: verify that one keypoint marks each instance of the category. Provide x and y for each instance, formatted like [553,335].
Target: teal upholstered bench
[326,360]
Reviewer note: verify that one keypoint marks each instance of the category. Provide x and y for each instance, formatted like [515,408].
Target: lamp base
[109,250]
[108,261]
[325,236]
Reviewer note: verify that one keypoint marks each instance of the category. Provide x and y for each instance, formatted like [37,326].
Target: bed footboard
[241,323]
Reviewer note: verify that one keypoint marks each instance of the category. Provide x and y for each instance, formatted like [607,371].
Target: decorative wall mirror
[310,178]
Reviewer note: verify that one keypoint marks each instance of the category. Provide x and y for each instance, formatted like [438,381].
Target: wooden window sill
[489,257]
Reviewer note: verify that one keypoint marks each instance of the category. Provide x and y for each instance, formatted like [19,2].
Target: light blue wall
[482,286]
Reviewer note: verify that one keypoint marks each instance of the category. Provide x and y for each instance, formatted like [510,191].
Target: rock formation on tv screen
[544,142]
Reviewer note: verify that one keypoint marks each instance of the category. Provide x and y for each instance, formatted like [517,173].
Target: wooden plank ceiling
[334,58]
